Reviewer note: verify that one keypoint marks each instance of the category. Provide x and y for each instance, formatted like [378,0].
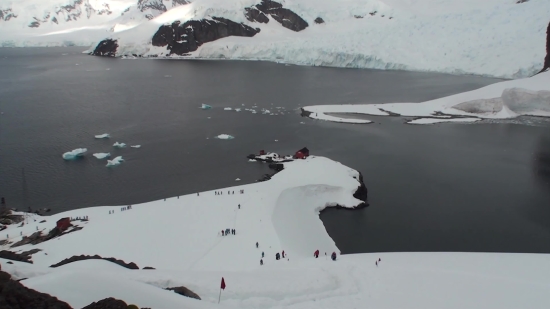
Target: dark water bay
[447,187]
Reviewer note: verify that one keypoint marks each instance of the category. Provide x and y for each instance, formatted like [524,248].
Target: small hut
[302,153]
[63,224]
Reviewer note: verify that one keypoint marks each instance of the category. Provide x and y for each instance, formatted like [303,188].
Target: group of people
[332,256]
[121,209]
[229,231]
[277,255]
[229,192]
[83,218]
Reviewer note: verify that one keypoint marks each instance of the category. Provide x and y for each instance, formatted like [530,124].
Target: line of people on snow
[121,209]
[332,256]
[229,192]
[229,231]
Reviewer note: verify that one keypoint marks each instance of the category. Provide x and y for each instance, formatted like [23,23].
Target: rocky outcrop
[285,17]
[20,257]
[13,295]
[184,291]
[179,2]
[361,193]
[107,303]
[76,258]
[157,5]
[181,39]
[546,65]
[106,48]
[254,15]
[7,14]
[319,20]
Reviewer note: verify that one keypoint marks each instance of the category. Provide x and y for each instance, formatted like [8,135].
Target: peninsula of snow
[180,237]
[508,99]
[502,38]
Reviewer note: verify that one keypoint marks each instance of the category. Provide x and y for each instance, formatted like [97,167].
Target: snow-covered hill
[500,38]
[180,237]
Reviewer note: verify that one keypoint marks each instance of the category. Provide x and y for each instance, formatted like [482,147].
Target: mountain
[500,38]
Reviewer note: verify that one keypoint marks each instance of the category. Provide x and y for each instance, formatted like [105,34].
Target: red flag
[223,284]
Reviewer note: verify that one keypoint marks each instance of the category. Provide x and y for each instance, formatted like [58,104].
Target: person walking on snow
[261,262]
[239,206]
[256,245]
[316,254]
[262,254]
[222,233]
[333,256]
[283,254]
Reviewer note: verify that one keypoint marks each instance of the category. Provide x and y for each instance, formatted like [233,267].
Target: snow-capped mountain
[502,38]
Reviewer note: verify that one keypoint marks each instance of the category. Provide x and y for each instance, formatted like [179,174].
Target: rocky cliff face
[13,295]
[546,66]
[285,17]
[106,48]
[70,12]
[7,14]
[181,39]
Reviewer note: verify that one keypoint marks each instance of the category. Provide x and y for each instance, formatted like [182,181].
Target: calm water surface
[448,187]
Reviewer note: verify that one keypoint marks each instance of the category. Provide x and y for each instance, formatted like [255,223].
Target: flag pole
[219,297]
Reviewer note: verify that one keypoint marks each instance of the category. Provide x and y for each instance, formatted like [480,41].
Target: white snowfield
[490,37]
[508,99]
[180,237]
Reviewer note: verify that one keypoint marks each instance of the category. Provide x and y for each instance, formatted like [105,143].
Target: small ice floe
[136,146]
[104,135]
[251,160]
[227,109]
[301,122]
[119,145]
[276,140]
[225,136]
[64,54]
[266,111]
[102,155]
[73,154]
[108,69]
[237,109]
[206,106]
[208,117]
[114,162]
[242,104]
[427,121]
[238,179]
[167,75]
[77,64]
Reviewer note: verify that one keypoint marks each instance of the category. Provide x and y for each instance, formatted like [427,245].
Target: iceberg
[206,106]
[73,154]
[114,162]
[136,146]
[104,135]
[225,136]
[227,109]
[119,145]
[102,155]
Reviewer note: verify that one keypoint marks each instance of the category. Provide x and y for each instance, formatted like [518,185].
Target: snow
[484,40]
[105,135]
[225,136]
[180,237]
[114,162]
[503,100]
[119,145]
[73,154]
[102,155]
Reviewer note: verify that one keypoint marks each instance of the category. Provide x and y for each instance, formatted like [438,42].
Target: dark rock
[144,5]
[181,39]
[76,258]
[184,291]
[106,48]
[179,2]
[319,20]
[285,17]
[148,267]
[361,193]
[254,15]
[20,257]
[9,262]
[7,14]
[521,1]
[546,65]
[358,16]
[107,303]
[13,295]
[277,166]
[42,221]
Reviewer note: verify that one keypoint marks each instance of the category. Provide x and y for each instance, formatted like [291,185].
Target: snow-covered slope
[491,37]
[508,99]
[180,237]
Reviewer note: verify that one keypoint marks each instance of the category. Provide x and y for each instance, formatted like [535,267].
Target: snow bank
[180,237]
[105,135]
[73,154]
[114,162]
[102,155]
[508,99]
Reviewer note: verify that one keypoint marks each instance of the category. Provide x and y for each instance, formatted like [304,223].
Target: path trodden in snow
[181,238]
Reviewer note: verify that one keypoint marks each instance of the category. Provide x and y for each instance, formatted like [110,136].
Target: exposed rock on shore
[184,291]
[76,258]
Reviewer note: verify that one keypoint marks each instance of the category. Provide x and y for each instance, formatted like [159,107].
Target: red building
[63,224]
[302,153]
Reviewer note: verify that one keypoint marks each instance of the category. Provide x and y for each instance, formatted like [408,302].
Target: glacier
[499,38]
[74,154]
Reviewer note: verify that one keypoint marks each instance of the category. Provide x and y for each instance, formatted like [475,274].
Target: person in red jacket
[316,254]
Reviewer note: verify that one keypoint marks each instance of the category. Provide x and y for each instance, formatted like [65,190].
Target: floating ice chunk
[440,120]
[73,154]
[301,122]
[251,160]
[102,155]
[104,135]
[208,117]
[114,162]
[238,179]
[266,111]
[119,145]
[227,109]
[276,140]
[107,69]
[225,136]
[167,75]
[237,109]
[136,146]
[206,106]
